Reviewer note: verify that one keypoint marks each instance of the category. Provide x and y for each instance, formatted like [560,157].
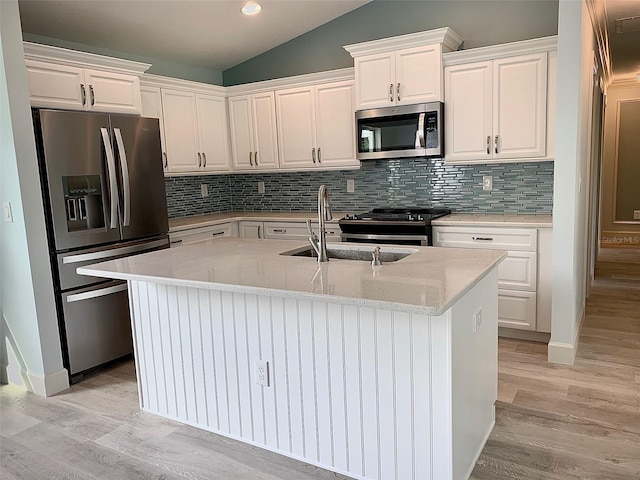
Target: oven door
[385,239]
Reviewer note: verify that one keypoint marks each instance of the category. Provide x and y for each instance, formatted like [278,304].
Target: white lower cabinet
[249,229]
[197,234]
[524,280]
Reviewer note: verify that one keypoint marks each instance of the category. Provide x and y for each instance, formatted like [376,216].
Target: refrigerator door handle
[114,252]
[77,297]
[124,166]
[113,184]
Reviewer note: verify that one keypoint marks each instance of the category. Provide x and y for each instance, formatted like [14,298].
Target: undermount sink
[354,252]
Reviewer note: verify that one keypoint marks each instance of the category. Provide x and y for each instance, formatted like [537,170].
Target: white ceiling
[624,47]
[202,33]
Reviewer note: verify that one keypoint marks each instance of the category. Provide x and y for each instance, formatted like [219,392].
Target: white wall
[570,205]
[30,343]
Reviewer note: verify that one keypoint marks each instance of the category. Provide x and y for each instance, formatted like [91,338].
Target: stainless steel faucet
[324,214]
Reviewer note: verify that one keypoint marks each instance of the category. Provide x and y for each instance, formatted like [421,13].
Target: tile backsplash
[517,188]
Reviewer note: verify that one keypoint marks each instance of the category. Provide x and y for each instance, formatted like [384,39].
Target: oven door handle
[373,237]
[77,297]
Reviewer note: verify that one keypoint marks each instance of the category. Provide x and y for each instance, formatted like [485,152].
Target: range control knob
[410,218]
[420,218]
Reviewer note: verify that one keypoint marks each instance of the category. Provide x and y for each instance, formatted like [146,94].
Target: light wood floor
[552,422]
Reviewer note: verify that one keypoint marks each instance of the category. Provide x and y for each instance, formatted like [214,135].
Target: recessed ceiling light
[251,8]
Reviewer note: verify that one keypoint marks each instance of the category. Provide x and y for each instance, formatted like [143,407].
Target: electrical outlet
[477,320]
[204,190]
[6,212]
[636,214]
[260,187]
[351,186]
[262,372]
[487,183]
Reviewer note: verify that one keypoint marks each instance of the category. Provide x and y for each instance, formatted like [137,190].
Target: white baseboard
[528,335]
[45,386]
[565,353]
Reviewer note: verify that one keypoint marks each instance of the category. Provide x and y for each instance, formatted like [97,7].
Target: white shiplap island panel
[354,387]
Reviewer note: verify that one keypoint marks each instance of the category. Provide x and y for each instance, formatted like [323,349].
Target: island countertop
[428,281]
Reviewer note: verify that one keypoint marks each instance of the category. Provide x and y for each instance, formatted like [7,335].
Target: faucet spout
[324,214]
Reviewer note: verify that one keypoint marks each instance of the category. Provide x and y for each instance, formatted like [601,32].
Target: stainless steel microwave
[401,132]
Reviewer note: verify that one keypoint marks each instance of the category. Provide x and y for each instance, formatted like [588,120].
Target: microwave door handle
[124,167]
[113,184]
[420,132]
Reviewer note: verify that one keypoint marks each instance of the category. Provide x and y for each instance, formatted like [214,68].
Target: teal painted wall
[159,67]
[479,22]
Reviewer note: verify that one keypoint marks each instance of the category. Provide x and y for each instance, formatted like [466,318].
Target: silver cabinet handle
[496,143]
[173,242]
[279,230]
[204,159]
[215,234]
[319,158]
[313,155]
[251,158]
[93,96]
[166,161]
[398,91]
[124,169]
[83,94]
[259,231]
[486,239]
[199,160]
[488,144]
[256,157]
[113,184]
[96,293]
[391,92]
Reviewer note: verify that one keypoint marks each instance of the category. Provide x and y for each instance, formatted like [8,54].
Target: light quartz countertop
[428,281]
[457,219]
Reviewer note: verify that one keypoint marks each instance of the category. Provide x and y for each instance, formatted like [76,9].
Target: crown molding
[342,74]
[449,39]
[524,47]
[64,56]
[625,81]
[159,81]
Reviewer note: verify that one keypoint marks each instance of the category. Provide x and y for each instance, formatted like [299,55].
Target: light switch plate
[204,190]
[6,212]
[487,183]
[636,214]
[260,187]
[351,186]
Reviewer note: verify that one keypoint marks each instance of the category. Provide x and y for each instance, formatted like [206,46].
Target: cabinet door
[335,124]
[519,106]
[213,133]
[517,309]
[418,75]
[56,86]
[375,80]
[113,92]
[240,120]
[151,106]
[181,130]
[251,230]
[265,134]
[296,127]
[468,118]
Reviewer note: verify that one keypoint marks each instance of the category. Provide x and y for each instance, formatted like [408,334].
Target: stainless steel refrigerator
[104,197]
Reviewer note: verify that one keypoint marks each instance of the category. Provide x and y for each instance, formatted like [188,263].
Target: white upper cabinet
[151,101]
[253,131]
[496,110]
[316,126]
[195,131]
[62,86]
[401,70]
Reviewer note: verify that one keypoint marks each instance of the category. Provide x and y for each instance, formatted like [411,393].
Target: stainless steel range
[404,226]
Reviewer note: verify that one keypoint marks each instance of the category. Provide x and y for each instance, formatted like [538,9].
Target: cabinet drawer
[518,271]
[492,238]
[298,231]
[197,234]
[517,309]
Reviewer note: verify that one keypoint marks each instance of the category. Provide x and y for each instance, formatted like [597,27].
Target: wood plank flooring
[553,422]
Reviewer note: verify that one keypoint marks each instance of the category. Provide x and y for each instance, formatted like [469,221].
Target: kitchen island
[385,372]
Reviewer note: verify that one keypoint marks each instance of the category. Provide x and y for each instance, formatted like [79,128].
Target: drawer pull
[486,239]
[215,234]
[176,241]
[279,230]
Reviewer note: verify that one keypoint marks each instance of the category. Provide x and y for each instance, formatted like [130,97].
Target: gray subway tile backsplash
[517,188]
